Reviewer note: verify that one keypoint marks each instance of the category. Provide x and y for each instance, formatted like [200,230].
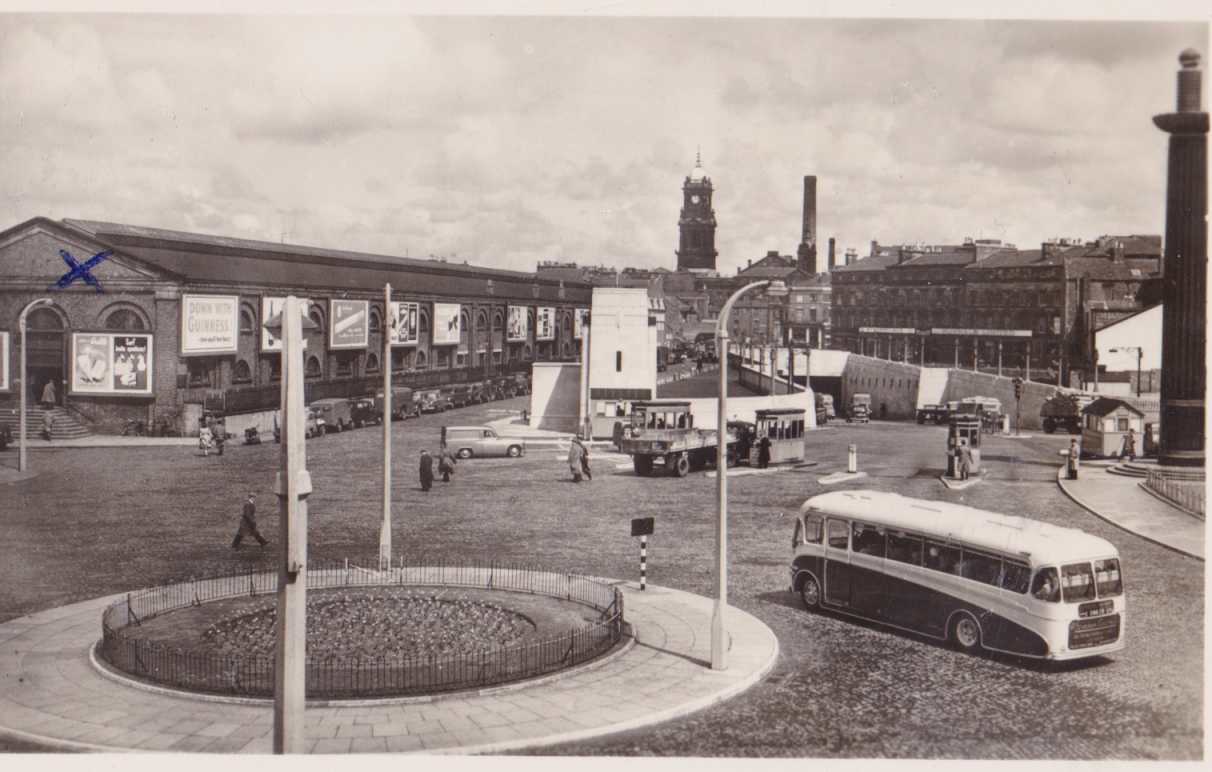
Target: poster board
[4,358]
[517,326]
[112,363]
[349,326]
[579,317]
[271,307]
[544,323]
[447,325]
[210,325]
[402,323]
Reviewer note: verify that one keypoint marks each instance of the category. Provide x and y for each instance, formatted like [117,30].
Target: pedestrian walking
[205,439]
[248,524]
[446,464]
[48,395]
[426,470]
[965,459]
[584,458]
[218,433]
[576,452]
[48,423]
[1130,445]
[1074,460]
[764,452]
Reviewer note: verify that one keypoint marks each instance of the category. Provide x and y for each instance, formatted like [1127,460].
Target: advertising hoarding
[210,324]
[111,363]
[447,324]
[579,317]
[350,324]
[544,323]
[271,307]
[4,357]
[517,326]
[402,323]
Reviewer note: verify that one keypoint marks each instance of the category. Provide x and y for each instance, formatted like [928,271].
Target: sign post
[390,317]
[643,527]
[1018,402]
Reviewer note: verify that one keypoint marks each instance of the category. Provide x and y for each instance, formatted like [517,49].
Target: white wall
[619,323]
[555,391]
[1143,330]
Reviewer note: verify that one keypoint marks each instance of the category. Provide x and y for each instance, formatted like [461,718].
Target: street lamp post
[21,461]
[1139,353]
[719,650]
[391,322]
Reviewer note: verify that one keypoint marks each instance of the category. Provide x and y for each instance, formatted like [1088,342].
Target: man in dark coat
[426,470]
[446,464]
[764,452]
[248,524]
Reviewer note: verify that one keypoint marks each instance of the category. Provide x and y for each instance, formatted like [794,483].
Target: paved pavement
[1120,501]
[53,694]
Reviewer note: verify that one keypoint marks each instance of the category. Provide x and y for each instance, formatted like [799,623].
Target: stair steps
[66,426]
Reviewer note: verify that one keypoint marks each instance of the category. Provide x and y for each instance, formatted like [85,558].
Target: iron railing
[1184,493]
[336,677]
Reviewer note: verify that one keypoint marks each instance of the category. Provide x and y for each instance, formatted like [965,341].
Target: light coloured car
[480,442]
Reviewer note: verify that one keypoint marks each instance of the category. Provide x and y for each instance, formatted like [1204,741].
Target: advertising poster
[350,327]
[210,324]
[517,327]
[402,322]
[111,363]
[4,356]
[579,318]
[544,323]
[271,307]
[446,324]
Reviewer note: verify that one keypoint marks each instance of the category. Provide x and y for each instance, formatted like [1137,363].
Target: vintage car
[433,401]
[460,394]
[480,442]
[336,412]
[364,411]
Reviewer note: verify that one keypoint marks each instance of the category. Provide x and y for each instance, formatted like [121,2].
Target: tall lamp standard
[1139,353]
[21,463]
[719,646]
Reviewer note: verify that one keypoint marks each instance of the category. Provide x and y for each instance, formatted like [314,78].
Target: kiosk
[964,428]
[785,429]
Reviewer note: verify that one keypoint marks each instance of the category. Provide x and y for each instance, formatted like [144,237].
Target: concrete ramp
[932,386]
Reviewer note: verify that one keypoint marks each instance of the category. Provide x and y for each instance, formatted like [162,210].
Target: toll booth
[964,426]
[784,427]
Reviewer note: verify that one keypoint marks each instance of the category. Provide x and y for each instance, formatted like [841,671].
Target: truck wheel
[1049,425]
[642,464]
[681,465]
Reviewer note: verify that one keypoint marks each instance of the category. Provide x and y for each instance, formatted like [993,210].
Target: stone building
[175,319]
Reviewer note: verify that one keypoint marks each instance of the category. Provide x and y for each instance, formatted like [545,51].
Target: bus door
[837,562]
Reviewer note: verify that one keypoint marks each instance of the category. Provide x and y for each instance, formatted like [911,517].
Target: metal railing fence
[1186,494]
[336,677]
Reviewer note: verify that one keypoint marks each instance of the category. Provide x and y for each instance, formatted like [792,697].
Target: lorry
[933,413]
[1063,411]
[661,434]
[860,408]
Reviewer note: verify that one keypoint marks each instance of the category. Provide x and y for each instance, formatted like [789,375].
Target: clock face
[695,199]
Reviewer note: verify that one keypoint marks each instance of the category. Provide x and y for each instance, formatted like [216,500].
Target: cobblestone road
[108,521]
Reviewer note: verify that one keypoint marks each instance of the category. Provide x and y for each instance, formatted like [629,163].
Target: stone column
[1184,295]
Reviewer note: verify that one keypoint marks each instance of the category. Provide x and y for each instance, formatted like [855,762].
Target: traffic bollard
[852,459]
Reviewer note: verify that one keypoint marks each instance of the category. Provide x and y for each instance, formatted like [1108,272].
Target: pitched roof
[945,257]
[872,263]
[1107,405]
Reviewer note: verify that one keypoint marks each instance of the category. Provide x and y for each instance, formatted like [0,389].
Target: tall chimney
[1117,252]
[875,247]
[832,256]
[806,254]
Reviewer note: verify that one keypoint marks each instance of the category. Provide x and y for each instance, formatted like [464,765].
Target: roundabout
[57,694]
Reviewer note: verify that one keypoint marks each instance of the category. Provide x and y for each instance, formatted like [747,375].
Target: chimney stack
[1117,252]
[806,254]
[875,247]
[851,255]
[832,256]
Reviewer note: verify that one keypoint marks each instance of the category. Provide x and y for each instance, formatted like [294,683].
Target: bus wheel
[810,593]
[681,466]
[966,633]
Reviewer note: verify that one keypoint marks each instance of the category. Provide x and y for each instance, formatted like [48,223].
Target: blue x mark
[79,271]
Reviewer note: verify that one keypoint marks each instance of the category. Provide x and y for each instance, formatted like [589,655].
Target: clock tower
[696,225]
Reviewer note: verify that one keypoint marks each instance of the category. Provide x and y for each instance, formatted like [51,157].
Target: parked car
[433,401]
[363,411]
[337,413]
[460,394]
[405,403]
[481,441]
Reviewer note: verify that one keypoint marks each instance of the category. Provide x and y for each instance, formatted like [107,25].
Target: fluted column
[1186,263]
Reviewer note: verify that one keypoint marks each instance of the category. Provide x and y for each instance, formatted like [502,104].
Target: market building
[154,325]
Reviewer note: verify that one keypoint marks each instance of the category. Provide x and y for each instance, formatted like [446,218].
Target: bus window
[1107,578]
[682,421]
[905,548]
[1015,577]
[812,528]
[839,534]
[1046,586]
[940,557]
[868,540]
[980,567]
[1077,582]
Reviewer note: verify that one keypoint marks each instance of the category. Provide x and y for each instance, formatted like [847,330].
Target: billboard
[517,327]
[4,349]
[111,363]
[210,324]
[544,323]
[447,324]
[402,323]
[579,317]
[271,307]
[350,324]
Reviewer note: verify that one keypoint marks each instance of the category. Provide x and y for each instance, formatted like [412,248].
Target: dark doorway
[45,353]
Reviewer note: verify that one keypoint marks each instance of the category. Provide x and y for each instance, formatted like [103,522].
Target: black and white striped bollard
[643,562]
[643,527]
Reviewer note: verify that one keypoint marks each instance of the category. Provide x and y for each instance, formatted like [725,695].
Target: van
[336,413]
[481,441]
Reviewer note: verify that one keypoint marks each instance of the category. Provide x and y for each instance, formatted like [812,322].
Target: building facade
[150,321]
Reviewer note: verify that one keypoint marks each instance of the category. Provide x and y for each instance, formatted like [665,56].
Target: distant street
[98,521]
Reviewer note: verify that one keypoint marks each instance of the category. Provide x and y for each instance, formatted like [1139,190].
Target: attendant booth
[964,427]
[1105,424]
[785,428]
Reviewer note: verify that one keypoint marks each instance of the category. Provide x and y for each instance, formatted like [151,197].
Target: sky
[506,141]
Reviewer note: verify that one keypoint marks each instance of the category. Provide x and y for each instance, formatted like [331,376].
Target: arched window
[375,324]
[498,321]
[124,319]
[481,320]
[43,319]
[241,372]
[312,370]
[248,320]
[420,360]
[423,324]
[372,362]
[317,317]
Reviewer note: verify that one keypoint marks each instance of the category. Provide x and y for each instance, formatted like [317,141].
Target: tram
[784,427]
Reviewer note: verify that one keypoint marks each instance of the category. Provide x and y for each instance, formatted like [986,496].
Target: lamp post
[719,652]
[1139,353]
[21,462]
[390,327]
